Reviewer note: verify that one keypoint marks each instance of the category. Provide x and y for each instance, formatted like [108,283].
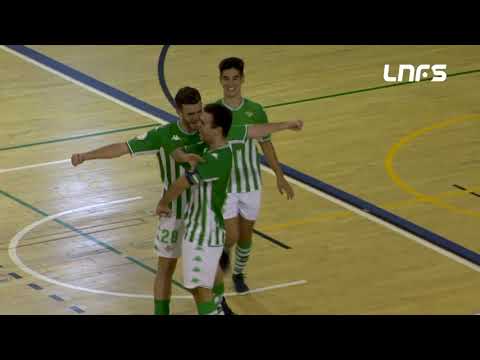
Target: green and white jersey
[204,218]
[246,174]
[162,141]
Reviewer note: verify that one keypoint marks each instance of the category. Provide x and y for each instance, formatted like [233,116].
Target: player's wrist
[293,124]
[162,203]
[279,174]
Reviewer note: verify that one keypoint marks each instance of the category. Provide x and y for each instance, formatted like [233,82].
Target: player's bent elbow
[123,149]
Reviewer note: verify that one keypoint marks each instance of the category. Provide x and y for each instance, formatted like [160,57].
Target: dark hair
[231,63]
[187,96]
[221,117]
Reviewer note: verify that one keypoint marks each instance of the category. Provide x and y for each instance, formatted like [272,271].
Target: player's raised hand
[295,125]
[77,159]
[284,187]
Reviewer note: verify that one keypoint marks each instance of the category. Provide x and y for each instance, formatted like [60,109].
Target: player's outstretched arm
[105,152]
[261,130]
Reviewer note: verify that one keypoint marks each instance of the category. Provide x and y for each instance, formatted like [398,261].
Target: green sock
[207,308]
[218,291]
[242,253]
[162,307]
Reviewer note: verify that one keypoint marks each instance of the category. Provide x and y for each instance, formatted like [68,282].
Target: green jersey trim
[232,108]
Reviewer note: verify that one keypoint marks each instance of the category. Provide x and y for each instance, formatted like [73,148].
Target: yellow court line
[342,214]
[402,184]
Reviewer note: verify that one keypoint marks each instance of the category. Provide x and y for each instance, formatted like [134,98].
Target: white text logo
[421,71]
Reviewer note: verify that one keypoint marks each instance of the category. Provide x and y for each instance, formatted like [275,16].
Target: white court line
[300,282]
[12,248]
[12,252]
[268,170]
[34,166]
[388,225]
[76,82]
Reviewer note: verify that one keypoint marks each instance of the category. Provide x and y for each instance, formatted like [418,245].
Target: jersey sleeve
[238,134]
[262,118]
[148,143]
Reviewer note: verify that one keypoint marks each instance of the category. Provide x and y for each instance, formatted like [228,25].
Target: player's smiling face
[206,131]
[231,81]
[190,115]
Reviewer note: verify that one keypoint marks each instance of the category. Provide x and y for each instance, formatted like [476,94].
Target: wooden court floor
[80,240]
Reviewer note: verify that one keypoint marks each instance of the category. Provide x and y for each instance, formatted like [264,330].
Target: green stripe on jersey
[246,175]
[162,141]
[209,192]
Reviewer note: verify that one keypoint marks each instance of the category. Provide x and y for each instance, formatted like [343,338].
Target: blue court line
[346,197]
[161,75]
[77,309]
[90,81]
[295,174]
[14,275]
[56,297]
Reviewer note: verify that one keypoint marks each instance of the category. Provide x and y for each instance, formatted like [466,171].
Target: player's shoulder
[223,153]
[219,161]
[151,134]
[253,105]
[197,147]
[162,128]
[199,144]
[227,152]
[237,132]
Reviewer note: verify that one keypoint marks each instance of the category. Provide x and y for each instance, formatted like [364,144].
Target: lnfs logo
[438,71]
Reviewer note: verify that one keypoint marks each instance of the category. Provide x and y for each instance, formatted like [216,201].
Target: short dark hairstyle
[231,63]
[187,96]
[221,117]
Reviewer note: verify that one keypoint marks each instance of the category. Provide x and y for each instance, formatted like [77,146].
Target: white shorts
[199,264]
[246,204]
[168,241]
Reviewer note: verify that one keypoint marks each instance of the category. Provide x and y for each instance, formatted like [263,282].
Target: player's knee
[232,233]
[166,267]
[231,238]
